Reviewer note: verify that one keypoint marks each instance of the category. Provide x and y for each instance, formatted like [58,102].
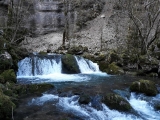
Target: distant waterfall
[36,65]
[87,66]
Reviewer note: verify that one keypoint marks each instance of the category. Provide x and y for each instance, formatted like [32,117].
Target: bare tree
[17,12]
[66,27]
[145,16]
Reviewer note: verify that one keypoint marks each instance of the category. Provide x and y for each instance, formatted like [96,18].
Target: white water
[87,66]
[38,70]
[144,107]
[70,105]
[38,66]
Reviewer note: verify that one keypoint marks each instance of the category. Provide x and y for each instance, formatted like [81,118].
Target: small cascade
[39,65]
[87,66]
[50,68]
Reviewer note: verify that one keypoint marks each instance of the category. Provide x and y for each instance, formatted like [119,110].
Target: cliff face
[46,16]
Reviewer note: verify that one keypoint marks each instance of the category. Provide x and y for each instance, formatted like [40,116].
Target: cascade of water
[86,66]
[34,65]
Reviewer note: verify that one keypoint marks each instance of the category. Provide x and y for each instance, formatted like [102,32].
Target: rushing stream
[36,69]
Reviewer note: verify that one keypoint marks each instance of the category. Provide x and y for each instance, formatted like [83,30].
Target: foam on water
[87,112]
[144,108]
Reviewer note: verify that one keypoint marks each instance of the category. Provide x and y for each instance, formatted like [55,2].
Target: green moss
[42,53]
[144,86]
[100,57]
[114,69]
[113,57]
[70,64]
[103,65]
[9,75]
[6,106]
[114,101]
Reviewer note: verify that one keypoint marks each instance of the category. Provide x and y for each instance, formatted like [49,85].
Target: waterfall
[37,65]
[86,66]
[50,64]
[49,68]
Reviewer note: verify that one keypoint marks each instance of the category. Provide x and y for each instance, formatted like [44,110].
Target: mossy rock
[100,57]
[114,69]
[144,86]
[6,107]
[114,101]
[84,99]
[39,88]
[103,65]
[70,65]
[113,57]
[9,75]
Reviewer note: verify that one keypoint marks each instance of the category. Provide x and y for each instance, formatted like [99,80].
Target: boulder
[114,101]
[70,65]
[148,64]
[114,69]
[144,86]
[9,75]
[84,99]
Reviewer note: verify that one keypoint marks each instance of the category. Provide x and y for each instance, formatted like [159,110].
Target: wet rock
[6,107]
[84,99]
[8,75]
[70,64]
[123,93]
[148,64]
[114,101]
[144,86]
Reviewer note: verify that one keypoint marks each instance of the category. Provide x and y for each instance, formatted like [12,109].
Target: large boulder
[70,64]
[114,101]
[144,86]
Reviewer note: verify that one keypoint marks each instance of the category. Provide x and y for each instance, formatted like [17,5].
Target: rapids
[40,69]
